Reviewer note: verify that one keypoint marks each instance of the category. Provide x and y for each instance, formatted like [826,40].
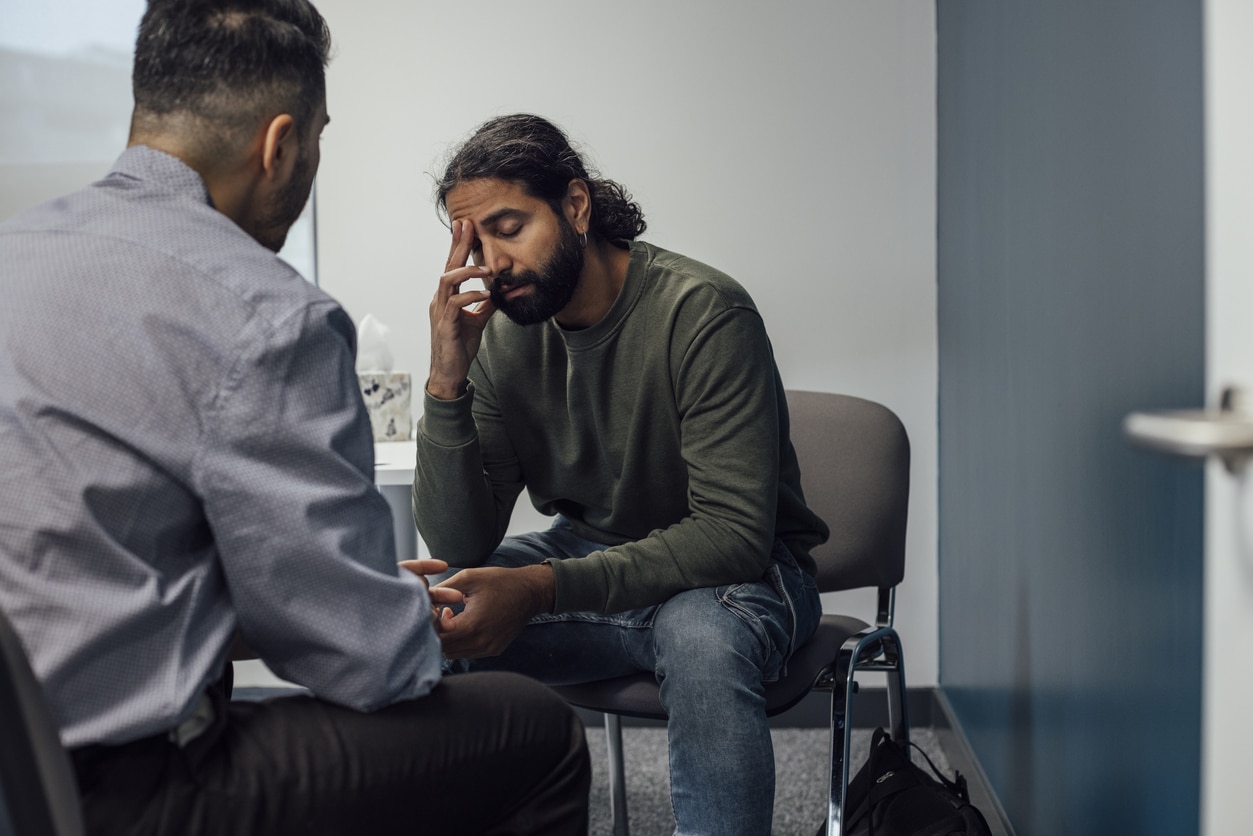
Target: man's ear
[578,205]
[278,146]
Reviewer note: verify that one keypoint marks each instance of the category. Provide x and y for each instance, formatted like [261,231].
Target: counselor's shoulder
[148,230]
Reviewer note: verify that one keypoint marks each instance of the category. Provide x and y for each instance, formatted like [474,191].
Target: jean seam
[582,617]
[753,621]
[790,605]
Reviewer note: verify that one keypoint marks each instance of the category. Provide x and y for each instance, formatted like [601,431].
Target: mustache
[506,282]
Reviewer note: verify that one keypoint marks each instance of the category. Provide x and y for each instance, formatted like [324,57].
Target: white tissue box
[388,396]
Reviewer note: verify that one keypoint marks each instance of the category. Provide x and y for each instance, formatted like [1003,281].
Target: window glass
[65,104]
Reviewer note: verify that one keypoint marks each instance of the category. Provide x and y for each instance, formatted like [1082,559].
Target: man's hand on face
[498,604]
[457,318]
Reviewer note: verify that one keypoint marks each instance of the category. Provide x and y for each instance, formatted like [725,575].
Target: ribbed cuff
[448,423]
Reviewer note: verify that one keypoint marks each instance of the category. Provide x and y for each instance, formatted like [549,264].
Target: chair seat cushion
[637,695]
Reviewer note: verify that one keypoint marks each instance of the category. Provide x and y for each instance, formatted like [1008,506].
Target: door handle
[1225,432]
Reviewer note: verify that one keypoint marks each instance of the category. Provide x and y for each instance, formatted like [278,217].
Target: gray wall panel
[1070,293]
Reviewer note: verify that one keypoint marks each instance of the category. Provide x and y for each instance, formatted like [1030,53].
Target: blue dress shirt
[183,453]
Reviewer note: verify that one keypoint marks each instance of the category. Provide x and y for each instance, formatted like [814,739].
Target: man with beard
[633,393]
[185,458]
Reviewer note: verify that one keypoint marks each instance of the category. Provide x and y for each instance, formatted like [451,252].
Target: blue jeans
[711,649]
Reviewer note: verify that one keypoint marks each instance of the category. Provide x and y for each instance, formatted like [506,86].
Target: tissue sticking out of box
[387,393]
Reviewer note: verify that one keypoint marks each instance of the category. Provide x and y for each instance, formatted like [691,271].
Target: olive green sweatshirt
[660,432]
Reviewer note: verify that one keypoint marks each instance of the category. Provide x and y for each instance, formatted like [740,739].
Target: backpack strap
[957,786]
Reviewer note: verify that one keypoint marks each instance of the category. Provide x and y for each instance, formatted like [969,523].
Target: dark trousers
[481,754]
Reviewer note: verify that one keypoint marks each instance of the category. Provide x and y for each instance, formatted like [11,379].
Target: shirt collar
[165,170]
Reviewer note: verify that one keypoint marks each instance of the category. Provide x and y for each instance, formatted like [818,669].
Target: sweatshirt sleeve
[460,507]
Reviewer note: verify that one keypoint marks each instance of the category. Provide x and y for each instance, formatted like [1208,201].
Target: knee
[540,716]
[556,726]
[701,643]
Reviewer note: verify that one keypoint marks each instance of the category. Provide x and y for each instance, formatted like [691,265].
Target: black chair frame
[40,790]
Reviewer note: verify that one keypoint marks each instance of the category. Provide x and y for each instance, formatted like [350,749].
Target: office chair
[854,458]
[38,782]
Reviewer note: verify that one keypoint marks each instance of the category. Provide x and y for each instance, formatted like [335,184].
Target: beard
[287,204]
[554,283]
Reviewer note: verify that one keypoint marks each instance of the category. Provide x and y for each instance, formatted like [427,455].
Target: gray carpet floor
[801,763]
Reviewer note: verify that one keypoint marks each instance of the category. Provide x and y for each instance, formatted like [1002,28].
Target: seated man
[185,456]
[633,393]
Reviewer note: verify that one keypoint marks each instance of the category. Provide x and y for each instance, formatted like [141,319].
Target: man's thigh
[703,634]
[569,647]
[575,647]
[749,627]
[455,761]
[558,541]
[761,621]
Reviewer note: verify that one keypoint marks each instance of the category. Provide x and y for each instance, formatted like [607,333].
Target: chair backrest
[854,461]
[40,790]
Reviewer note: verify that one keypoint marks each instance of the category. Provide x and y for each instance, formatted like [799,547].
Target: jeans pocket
[766,612]
[800,590]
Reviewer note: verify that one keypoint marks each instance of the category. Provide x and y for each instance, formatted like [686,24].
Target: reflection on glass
[65,104]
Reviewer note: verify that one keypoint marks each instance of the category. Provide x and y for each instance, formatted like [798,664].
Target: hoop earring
[583,239]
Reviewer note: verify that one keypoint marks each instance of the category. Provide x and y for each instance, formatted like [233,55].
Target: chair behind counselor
[39,788]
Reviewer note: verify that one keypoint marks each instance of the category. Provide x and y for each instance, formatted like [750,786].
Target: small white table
[393,462]
[393,475]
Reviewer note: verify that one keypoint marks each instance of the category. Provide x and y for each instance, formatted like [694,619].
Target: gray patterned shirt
[184,452]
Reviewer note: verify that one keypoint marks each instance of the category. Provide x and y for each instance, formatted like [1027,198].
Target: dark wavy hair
[229,63]
[534,152]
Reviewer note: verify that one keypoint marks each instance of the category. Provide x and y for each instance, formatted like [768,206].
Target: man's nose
[494,258]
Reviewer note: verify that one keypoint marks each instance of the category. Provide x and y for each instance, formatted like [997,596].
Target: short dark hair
[230,63]
[535,153]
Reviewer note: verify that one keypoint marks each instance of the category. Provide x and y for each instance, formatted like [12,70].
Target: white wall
[791,144]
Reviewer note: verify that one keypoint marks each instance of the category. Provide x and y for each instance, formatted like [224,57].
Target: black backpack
[891,796]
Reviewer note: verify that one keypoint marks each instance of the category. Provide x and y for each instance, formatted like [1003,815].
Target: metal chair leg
[842,690]
[869,644]
[898,703]
[617,776]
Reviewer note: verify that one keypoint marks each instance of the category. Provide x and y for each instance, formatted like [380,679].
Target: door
[1223,434]
[1227,689]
